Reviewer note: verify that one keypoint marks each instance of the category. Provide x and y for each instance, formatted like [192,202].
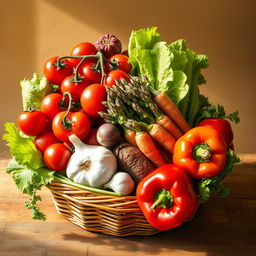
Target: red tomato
[92,97]
[222,126]
[79,124]
[114,75]
[83,49]
[55,75]
[91,138]
[33,123]
[45,140]
[91,73]
[122,62]
[75,89]
[51,105]
[56,156]
[92,118]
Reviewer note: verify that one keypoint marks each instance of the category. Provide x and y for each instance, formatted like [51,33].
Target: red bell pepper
[166,197]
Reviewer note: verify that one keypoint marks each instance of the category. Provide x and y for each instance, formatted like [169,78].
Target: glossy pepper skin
[201,152]
[166,197]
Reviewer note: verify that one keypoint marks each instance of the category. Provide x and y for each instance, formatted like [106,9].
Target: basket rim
[105,193]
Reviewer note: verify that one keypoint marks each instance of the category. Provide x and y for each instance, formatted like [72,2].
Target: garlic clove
[121,183]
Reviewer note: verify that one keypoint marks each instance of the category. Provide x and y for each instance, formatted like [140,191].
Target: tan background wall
[32,31]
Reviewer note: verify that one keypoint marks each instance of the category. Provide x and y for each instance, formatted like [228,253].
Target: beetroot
[109,45]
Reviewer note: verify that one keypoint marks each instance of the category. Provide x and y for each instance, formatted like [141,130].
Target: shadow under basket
[113,215]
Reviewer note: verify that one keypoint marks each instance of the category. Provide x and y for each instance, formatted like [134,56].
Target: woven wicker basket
[113,215]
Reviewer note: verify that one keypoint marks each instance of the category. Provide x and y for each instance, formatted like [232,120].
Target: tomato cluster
[73,108]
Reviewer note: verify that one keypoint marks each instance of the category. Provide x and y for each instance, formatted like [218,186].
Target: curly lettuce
[27,168]
[34,90]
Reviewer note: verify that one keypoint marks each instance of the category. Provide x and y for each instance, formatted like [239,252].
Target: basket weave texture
[113,215]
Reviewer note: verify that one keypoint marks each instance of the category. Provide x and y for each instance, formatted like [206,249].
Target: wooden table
[222,226]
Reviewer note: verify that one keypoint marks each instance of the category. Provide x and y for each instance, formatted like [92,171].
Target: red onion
[109,45]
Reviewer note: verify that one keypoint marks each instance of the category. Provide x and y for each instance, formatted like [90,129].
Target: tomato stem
[66,122]
[99,56]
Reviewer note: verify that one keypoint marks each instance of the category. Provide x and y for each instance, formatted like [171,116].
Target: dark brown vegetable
[131,160]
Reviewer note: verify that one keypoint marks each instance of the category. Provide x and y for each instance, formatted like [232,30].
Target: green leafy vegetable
[34,90]
[209,186]
[22,149]
[27,168]
[173,69]
[207,110]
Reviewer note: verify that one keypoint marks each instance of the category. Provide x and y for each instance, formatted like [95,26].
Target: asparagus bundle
[131,105]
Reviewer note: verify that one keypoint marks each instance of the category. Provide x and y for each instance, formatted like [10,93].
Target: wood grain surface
[222,226]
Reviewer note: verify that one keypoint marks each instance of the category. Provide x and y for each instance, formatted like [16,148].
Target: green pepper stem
[163,199]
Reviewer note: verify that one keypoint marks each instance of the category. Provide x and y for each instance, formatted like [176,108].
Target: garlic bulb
[121,183]
[90,165]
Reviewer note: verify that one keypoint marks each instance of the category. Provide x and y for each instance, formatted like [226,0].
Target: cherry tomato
[114,75]
[78,124]
[122,62]
[221,125]
[83,49]
[90,72]
[33,123]
[91,138]
[45,140]
[56,156]
[51,105]
[74,88]
[54,74]
[92,97]
[92,118]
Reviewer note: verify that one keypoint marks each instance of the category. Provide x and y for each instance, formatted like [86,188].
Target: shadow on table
[207,238]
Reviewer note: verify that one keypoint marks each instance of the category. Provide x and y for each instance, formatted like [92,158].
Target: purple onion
[109,45]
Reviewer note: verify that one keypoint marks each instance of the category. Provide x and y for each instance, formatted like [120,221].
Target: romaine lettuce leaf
[170,68]
[158,63]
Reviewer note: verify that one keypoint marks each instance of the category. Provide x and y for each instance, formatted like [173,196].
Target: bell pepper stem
[202,153]
[163,199]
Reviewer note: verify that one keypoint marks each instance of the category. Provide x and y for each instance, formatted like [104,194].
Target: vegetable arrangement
[124,123]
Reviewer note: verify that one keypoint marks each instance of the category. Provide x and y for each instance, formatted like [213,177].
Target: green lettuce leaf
[34,90]
[23,149]
[27,168]
[29,182]
[158,63]
[170,68]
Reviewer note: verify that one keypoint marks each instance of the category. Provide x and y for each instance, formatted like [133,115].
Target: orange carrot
[162,136]
[148,148]
[168,124]
[170,109]
[129,135]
